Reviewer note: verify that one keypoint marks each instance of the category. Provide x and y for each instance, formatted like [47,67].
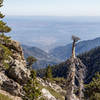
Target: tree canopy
[92,90]
[3,26]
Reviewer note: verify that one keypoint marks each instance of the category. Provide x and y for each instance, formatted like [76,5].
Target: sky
[52,7]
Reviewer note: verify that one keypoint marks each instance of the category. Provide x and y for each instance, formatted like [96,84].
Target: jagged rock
[52,85]
[13,78]
[17,64]
[9,85]
[17,51]
[47,95]
[15,48]
[18,72]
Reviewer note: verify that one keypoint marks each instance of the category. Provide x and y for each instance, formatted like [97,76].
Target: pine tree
[3,27]
[31,88]
[30,61]
[4,51]
[92,90]
[49,72]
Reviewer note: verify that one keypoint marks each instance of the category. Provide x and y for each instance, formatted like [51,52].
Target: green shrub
[92,90]
[31,88]
[30,61]
[5,54]
[3,97]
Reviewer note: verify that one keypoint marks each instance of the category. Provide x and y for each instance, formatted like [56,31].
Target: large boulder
[18,72]
[47,95]
[10,85]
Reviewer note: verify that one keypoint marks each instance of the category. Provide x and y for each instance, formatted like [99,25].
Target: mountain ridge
[64,52]
[43,58]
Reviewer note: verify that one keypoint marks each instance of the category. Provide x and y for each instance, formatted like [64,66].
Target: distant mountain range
[59,54]
[43,58]
[64,52]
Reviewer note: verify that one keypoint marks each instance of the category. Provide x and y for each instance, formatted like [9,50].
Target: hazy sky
[52,7]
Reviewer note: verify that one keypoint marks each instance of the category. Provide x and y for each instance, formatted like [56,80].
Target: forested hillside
[91,59]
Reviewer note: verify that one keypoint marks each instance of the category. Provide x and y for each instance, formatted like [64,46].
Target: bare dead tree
[75,39]
[72,70]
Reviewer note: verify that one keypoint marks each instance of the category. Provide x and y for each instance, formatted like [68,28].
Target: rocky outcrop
[47,87]
[9,85]
[52,85]
[17,52]
[47,95]
[13,79]
[18,72]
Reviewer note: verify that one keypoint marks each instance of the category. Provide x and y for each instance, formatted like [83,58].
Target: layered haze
[48,32]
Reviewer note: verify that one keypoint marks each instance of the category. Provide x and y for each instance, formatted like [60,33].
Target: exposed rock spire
[76,69]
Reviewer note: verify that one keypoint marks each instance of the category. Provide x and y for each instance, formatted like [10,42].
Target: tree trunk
[71,82]
[73,50]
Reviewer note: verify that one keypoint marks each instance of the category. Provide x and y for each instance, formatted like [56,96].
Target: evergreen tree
[31,88]
[30,61]
[92,90]
[49,72]
[4,51]
[3,27]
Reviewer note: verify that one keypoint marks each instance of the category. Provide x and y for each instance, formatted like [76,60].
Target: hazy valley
[58,54]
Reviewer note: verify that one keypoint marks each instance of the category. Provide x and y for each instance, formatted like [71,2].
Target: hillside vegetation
[3,97]
[91,59]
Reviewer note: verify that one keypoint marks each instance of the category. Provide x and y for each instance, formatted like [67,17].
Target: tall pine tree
[49,72]
[92,90]
[3,27]
[4,51]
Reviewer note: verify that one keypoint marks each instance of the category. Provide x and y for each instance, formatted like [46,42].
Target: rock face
[52,85]
[9,85]
[47,94]
[18,72]
[17,52]
[13,78]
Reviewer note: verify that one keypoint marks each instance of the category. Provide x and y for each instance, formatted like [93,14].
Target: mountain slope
[43,58]
[90,59]
[64,52]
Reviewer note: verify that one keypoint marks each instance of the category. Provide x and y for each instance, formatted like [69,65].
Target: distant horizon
[48,32]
